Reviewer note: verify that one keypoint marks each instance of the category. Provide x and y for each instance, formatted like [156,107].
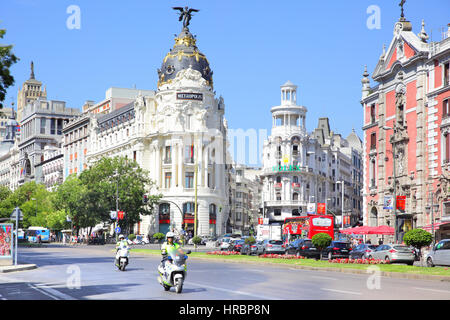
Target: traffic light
[145,199]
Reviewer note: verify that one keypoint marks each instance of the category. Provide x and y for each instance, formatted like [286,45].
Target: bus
[307,226]
[32,234]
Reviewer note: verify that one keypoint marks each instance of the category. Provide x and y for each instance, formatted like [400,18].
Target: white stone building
[302,169]
[178,134]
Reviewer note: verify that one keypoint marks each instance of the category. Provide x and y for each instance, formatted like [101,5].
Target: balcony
[296,185]
[278,185]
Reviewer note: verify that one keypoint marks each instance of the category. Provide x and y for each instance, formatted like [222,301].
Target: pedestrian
[368,241]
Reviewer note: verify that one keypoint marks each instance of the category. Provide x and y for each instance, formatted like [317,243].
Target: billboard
[321,208]
[6,230]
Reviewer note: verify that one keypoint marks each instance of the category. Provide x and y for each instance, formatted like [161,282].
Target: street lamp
[395,184]
[342,214]
[116,175]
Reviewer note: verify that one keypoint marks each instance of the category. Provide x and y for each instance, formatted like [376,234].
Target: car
[304,248]
[273,246]
[236,245]
[440,254]
[225,243]
[337,249]
[362,251]
[394,253]
[252,248]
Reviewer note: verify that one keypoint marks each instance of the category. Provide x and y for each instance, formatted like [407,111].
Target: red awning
[382,230]
[436,226]
[357,230]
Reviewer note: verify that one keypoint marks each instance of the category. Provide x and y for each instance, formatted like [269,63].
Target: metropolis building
[177,133]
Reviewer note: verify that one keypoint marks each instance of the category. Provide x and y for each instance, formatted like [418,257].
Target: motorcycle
[124,253]
[174,273]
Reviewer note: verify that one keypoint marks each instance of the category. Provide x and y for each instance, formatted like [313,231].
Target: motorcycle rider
[168,247]
[122,244]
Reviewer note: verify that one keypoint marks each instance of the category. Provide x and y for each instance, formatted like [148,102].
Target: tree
[110,177]
[418,238]
[7,59]
[321,241]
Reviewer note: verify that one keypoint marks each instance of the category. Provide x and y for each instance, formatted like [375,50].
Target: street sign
[120,215]
[118,230]
[16,212]
[113,214]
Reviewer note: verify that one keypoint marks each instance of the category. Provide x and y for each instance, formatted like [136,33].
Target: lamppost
[395,184]
[116,175]
[342,182]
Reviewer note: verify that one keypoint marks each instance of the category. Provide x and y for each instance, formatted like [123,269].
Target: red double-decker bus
[307,227]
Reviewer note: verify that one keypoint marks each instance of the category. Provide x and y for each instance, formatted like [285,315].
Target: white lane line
[53,293]
[2,298]
[434,290]
[42,291]
[323,278]
[341,291]
[233,291]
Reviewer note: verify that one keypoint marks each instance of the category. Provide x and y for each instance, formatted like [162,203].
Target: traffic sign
[118,229]
[113,214]
[16,212]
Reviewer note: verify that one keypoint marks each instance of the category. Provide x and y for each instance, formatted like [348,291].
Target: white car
[225,243]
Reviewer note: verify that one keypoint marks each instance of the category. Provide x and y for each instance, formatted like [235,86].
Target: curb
[22,267]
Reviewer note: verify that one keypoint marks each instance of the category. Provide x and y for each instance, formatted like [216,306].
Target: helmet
[170,235]
[121,236]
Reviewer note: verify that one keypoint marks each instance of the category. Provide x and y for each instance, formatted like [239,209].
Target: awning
[436,226]
[369,230]
[357,230]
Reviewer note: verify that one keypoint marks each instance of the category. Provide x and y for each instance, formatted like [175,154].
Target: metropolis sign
[189,96]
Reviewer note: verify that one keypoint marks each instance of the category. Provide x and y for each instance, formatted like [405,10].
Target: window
[189,180]
[168,154]
[445,108]
[446,147]
[167,179]
[372,113]
[278,196]
[52,126]
[43,125]
[295,196]
[188,208]
[277,212]
[134,155]
[373,141]
[446,74]
[189,154]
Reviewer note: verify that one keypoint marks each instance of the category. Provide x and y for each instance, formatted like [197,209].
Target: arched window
[278,196]
[295,196]
[212,211]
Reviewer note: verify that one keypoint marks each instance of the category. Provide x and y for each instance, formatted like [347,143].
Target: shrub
[418,238]
[158,236]
[321,240]
[250,240]
[131,237]
[196,240]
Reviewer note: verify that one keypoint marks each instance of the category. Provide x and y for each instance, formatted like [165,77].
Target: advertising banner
[388,202]
[6,236]
[321,208]
[311,208]
[401,203]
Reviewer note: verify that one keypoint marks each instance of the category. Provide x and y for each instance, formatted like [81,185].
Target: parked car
[337,249]
[225,243]
[273,246]
[255,248]
[236,245]
[394,253]
[362,251]
[440,254]
[304,248]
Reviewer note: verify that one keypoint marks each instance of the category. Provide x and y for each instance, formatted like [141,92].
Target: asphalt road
[88,272]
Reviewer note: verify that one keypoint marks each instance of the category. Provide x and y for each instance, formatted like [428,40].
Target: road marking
[1,297]
[434,290]
[233,291]
[324,278]
[341,291]
[42,291]
[55,294]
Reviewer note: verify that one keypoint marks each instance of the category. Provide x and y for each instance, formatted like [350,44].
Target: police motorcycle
[173,271]
[122,255]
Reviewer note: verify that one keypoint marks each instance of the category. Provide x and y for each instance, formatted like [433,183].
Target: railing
[278,185]
[296,185]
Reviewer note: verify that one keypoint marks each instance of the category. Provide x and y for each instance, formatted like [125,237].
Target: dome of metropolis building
[184,54]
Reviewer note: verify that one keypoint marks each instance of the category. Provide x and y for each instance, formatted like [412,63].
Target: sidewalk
[19,267]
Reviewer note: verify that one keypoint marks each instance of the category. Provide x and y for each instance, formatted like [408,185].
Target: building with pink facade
[406,114]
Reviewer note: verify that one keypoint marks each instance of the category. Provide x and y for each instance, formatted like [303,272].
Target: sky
[253,48]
